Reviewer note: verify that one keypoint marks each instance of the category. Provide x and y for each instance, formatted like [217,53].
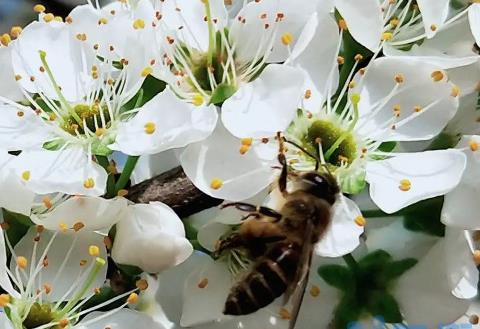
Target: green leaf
[347,311]
[425,216]
[375,261]
[18,226]
[150,88]
[222,93]
[338,276]
[397,268]
[382,304]
[128,270]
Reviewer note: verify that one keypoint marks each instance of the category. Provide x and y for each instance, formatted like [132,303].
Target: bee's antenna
[301,149]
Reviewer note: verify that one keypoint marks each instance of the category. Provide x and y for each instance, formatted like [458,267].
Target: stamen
[405,185]
[216,183]
[4,300]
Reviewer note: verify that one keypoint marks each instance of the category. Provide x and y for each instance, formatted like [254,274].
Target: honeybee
[281,242]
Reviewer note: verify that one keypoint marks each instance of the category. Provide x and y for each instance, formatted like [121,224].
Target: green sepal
[338,276]
[223,92]
[99,147]
[150,88]
[347,311]
[425,217]
[18,226]
[382,304]
[397,268]
[53,145]
[375,260]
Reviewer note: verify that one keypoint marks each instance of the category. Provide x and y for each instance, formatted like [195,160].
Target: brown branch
[174,189]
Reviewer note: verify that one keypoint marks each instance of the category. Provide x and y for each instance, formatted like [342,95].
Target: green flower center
[89,115]
[328,134]
[38,316]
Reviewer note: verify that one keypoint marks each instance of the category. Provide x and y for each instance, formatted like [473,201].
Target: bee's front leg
[235,240]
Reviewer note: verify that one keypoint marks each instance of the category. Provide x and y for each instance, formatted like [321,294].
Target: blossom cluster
[382,95]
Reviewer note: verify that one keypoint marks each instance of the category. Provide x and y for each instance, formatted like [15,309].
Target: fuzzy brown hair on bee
[281,242]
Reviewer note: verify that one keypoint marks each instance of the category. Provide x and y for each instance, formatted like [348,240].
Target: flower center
[338,145]
[93,117]
[39,315]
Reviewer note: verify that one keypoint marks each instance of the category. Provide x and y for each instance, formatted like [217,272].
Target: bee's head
[321,185]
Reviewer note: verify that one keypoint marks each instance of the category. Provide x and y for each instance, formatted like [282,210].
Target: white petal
[430,173]
[63,267]
[19,199]
[466,120]
[123,319]
[343,236]
[62,55]
[218,157]
[461,269]
[152,237]
[95,213]
[426,284]
[66,171]
[174,122]
[9,87]
[364,20]
[434,14]
[218,282]
[5,282]
[149,166]
[265,106]
[460,206]
[474,18]
[319,60]
[4,321]
[378,98]
[22,129]
[251,37]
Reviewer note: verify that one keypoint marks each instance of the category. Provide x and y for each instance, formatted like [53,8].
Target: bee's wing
[296,290]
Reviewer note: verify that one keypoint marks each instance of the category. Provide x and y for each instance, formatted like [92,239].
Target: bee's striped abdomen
[267,280]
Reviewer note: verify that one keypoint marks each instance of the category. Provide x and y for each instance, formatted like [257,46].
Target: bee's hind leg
[254,210]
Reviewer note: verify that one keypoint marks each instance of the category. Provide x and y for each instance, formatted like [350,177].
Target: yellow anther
[247,141]
[47,202]
[81,37]
[102,20]
[394,22]
[83,262]
[78,226]
[63,323]
[5,39]
[100,131]
[40,229]
[63,227]
[39,8]
[352,84]
[149,128]
[22,262]
[387,36]
[94,251]
[18,77]
[342,24]
[287,38]
[340,60]
[437,76]
[89,183]
[142,284]
[476,257]
[197,100]
[69,20]
[26,175]
[244,149]
[138,24]
[360,221]
[417,109]
[4,300]
[216,183]
[473,145]
[308,94]
[48,17]
[132,299]
[355,98]
[122,193]
[59,19]
[315,291]
[15,31]
[146,72]
[285,314]
[358,57]
[399,78]
[455,91]
[433,27]
[203,283]
[48,288]
[405,185]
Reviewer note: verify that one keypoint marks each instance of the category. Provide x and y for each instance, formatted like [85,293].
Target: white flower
[461,206]
[8,85]
[151,237]
[375,23]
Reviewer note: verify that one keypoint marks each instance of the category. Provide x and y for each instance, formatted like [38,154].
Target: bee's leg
[282,180]
[265,211]
[234,240]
